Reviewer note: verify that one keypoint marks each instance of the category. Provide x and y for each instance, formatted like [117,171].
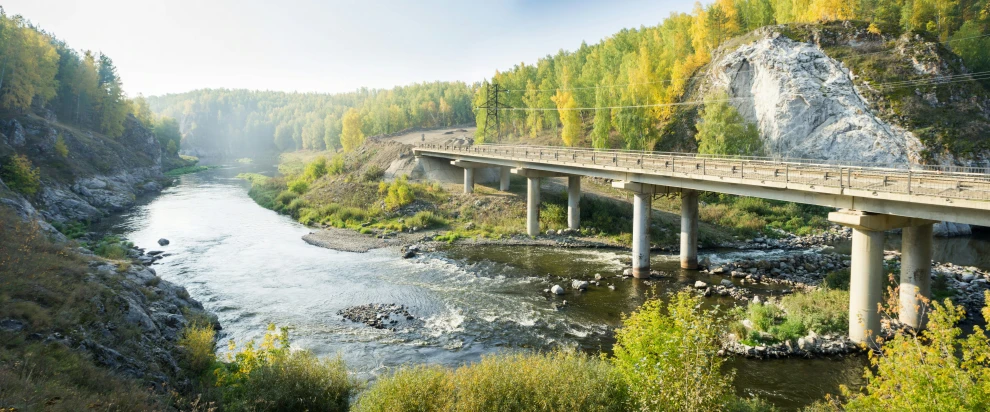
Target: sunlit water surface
[250,267]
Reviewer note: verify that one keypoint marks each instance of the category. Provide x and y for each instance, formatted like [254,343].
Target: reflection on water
[249,266]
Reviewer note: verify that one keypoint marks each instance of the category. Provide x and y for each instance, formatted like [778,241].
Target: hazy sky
[167,46]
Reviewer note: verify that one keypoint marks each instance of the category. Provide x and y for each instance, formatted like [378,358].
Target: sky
[329,46]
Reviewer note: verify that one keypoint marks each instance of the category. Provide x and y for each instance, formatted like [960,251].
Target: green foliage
[352,135]
[254,178]
[315,169]
[172,147]
[426,219]
[72,230]
[553,215]
[20,175]
[271,377]
[185,170]
[298,186]
[517,382]
[337,166]
[667,355]
[198,342]
[397,194]
[824,311]
[373,173]
[112,247]
[751,216]
[936,370]
[723,131]
[61,148]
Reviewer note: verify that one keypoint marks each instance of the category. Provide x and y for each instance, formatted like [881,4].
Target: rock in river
[162,242]
[557,290]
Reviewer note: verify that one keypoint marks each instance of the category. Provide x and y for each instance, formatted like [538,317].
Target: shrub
[425,219]
[397,194]
[553,216]
[936,370]
[199,344]
[373,173]
[172,147]
[298,186]
[111,247]
[316,169]
[822,310]
[60,147]
[667,354]
[337,166]
[20,175]
[274,378]
[517,382]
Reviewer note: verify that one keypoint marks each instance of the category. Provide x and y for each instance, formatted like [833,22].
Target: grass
[555,381]
[823,311]
[185,170]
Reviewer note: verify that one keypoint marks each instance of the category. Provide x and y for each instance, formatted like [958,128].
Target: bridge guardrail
[949,182]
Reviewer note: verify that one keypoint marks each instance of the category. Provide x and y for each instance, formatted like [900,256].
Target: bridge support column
[642,203]
[503,181]
[533,205]
[866,272]
[689,229]
[916,274]
[468,180]
[574,202]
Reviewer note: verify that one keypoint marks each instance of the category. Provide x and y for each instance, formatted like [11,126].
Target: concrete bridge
[871,200]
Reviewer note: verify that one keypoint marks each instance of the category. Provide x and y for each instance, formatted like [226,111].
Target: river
[250,267]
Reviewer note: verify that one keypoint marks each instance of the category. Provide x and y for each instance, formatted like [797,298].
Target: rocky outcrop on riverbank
[806,269]
[812,345]
[379,316]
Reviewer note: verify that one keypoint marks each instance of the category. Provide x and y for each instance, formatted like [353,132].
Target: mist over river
[248,265]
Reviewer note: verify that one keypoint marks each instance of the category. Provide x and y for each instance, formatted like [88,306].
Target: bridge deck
[954,194]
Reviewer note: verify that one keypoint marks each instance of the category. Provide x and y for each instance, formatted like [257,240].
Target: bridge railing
[950,182]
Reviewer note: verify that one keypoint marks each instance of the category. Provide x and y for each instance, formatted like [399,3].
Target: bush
[823,311]
[518,382]
[199,344]
[936,370]
[667,355]
[20,175]
[298,186]
[274,378]
[111,247]
[373,173]
[337,166]
[316,169]
[60,147]
[426,219]
[553,216]
[397,194]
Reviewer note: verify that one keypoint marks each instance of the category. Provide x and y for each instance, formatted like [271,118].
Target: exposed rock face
[806,105]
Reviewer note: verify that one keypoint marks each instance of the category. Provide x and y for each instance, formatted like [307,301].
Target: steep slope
[838,93]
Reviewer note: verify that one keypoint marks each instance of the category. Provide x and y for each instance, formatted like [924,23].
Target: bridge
[869,199]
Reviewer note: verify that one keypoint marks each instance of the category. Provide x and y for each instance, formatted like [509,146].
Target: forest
[246,122]
[40,71]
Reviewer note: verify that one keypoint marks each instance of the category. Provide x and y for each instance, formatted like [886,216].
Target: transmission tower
[493,120]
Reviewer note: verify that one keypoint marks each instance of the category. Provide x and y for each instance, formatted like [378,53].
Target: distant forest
[647,66]
[242,121]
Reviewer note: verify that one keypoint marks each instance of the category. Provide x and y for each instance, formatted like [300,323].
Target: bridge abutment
[916,274]
[866,271]
[503,181]
[574,202]
[689,229]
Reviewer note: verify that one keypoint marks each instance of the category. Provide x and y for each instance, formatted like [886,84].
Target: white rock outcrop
[806,105]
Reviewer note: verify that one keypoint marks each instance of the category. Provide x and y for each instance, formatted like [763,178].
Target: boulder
[557,290]
[700,285]
[163,242]
[579,284]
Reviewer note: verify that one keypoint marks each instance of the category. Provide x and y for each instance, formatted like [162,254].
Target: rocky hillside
[836,92]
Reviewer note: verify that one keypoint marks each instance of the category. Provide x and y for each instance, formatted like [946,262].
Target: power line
[889,50]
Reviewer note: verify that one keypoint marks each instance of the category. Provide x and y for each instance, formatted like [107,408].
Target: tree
[112,104]
[332,128]
[141,111]
[723,131]
[28,66]
[351,136]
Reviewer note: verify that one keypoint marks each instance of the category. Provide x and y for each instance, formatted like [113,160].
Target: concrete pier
[916,274]
[468,180]
[642,203]
[533,205]
[503,182]
[865,285]
[574,202]
[689,229]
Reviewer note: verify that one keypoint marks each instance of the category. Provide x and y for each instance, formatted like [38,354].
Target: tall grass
[514,382]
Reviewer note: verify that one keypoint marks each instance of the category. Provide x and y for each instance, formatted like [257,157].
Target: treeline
[652,65]
[243,121]
[37,70]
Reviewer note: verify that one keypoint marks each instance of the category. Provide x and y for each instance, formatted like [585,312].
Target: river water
[250,267]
